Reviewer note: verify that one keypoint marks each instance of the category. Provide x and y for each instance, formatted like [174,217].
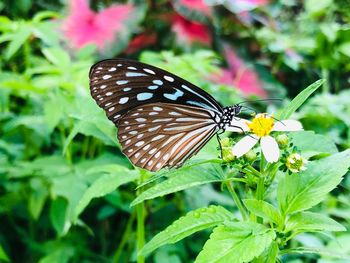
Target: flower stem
[237,200]
[260,188]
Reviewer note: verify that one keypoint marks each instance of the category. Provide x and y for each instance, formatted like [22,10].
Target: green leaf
[3,255]
[345,48]
[183,178]
[37,197]
[58,215]
[309,143]
[93,128]
[270,254]
[299,100]
[18,39]
[116,176]
[315,250]
[192,222]
[236,242]
[264,209]
[298,192]
[310,222]
[57,56]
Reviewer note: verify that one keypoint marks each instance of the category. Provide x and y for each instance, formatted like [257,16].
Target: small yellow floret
[261,125]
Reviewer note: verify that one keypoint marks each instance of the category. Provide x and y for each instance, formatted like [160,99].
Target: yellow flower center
[261,125]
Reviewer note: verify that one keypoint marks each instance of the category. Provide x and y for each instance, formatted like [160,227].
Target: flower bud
[250,156]
[225,142]
[227,155]
[295,163]
[282,140]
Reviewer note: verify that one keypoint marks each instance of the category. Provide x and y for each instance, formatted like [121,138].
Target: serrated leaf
[183,178]
[299,100]
[236,242]
[116,176]
[264,209]
[57,56]
[298,192]
[310,222]
[18,39]
[309,143]
[192,222]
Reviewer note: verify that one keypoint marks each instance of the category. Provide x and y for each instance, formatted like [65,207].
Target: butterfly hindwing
[120,85]
[160,135]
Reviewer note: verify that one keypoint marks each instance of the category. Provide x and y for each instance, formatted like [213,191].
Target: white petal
[287,125]
[243,146]
[238,125]
[270,149]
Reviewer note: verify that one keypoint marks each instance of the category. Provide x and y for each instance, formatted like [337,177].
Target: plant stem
[237,200]
[140,218]
[260,188]
[126,235]
[140,230]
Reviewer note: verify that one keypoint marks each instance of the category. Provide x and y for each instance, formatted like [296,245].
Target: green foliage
[192,222]
[298,192]
[236,242]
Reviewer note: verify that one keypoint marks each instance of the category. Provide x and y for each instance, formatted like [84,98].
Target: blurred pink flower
[190,31]
[238,74]
[197,5]
[84,26]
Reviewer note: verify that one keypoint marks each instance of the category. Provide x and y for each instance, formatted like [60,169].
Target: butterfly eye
[162,119]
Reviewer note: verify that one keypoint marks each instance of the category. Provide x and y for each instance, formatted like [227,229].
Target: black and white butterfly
[162,119]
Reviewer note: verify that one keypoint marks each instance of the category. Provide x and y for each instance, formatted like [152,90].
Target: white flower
[259,130]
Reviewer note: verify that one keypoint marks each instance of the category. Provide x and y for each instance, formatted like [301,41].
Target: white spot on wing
[157,81]
[140,143]
[149,71]
[133,68]
[157,108]
[152,151]
[112,69]
[146,147]
[121,82]
[153,87]
[168,78]
[106,76]
[126,89]
[157,154]
[103,86]
[144,96]
[123,100]
[134,74]
[140,119]
[154,128]
[111,109]
[109,93]
[158,137]
[150,163]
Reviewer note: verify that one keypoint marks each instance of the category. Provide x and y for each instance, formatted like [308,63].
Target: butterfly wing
[158,135]
[120,85]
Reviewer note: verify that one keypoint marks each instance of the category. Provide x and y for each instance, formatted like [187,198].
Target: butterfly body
[162,119]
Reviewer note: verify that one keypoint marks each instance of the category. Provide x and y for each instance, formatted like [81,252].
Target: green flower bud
[225,142]
[295,163]
[250,156]
[227,155]
[282,140]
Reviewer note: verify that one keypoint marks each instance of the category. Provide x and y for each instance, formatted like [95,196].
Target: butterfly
[162,119]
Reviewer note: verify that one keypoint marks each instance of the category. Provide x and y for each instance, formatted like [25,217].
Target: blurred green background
[58,150]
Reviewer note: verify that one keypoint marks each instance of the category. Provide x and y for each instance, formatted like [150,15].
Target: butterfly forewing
[160,135]
[162,119]
[120,85]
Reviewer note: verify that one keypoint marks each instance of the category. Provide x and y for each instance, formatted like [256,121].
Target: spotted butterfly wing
[162,119]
